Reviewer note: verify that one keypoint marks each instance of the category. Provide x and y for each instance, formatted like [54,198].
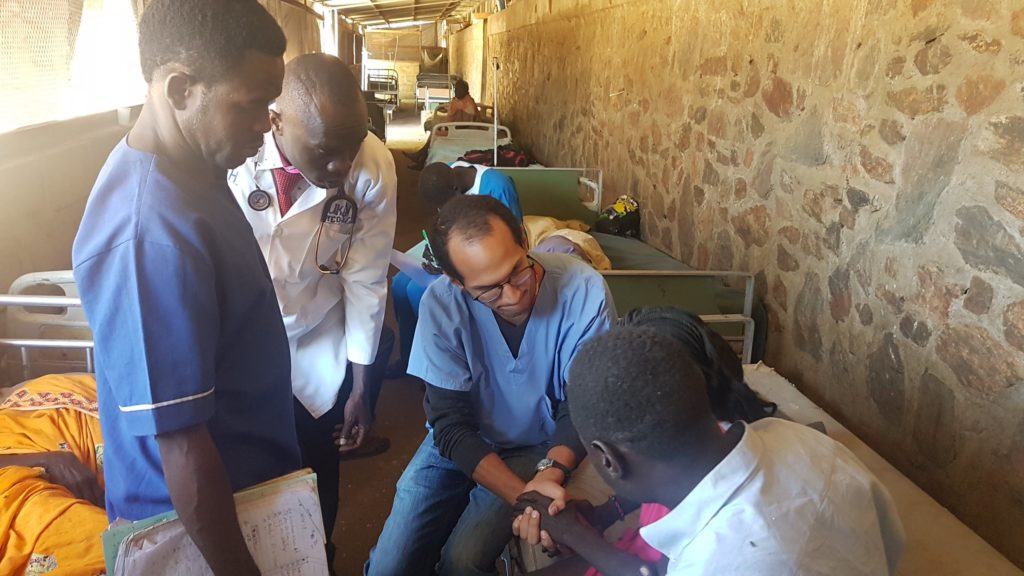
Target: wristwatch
[549,463]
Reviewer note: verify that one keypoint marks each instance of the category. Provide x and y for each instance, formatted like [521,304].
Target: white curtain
[65,58]
[61,59]
[301,27]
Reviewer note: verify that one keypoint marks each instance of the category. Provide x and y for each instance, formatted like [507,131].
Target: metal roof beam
[394,6]
[453,5]
[374,2]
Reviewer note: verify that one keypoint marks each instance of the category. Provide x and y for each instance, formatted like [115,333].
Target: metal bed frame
[478,136]
[384,81]
[669,279]
[545,191]
[428,83]
[26,345]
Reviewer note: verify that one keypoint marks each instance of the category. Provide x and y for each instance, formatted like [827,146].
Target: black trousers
[316,435]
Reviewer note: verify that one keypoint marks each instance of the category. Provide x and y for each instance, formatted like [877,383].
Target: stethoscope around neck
[338,211]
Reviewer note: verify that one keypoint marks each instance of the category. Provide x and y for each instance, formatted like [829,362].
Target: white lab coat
[786,500]
[331,320]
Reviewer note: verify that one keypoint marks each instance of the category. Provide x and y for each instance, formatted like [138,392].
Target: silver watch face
[545,464]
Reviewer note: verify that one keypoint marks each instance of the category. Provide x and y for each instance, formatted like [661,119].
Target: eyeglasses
[339,215]
[520,279]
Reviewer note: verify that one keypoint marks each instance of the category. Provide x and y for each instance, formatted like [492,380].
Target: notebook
[280,521]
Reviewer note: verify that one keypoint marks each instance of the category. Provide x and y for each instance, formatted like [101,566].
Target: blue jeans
[443,520]
[406,296]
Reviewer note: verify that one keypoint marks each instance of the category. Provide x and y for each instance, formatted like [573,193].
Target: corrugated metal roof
[394,12]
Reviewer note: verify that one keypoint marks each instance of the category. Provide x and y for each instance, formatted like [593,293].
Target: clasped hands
[550,522]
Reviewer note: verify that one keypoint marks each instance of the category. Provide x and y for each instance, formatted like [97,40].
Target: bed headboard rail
[49,333]
[475,131]
[562,193]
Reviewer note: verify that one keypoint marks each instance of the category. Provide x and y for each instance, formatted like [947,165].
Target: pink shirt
[633,543]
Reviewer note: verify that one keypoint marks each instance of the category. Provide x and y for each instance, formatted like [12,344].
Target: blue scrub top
[500,187]
[458,346]
[496,185]
[186,326]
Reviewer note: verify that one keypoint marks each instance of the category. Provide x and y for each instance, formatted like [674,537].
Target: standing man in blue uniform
[192,359]
[494,342]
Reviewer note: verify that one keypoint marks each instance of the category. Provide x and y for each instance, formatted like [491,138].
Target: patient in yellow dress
[51,478]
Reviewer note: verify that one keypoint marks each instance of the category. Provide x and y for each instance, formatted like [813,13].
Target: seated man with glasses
[494,342]
[320,196]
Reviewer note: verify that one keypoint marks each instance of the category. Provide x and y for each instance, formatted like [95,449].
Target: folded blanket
[540,228]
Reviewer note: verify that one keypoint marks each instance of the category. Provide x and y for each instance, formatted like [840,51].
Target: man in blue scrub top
[438,184]
[192,359]
[494,342]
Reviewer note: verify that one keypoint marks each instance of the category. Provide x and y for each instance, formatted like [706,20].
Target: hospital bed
[45,329]
[440,115]
[449,141]
[642,275]
[383,83]
[433,89]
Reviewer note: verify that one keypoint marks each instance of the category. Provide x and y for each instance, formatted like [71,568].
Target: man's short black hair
[731,398]
[469,218]
[209,37]
[437,185]
[461,88]
[636,387]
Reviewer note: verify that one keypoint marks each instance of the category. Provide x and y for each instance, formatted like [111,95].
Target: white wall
[46,174]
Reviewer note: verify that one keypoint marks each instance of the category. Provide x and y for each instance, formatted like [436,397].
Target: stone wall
[467,57]
[864,158]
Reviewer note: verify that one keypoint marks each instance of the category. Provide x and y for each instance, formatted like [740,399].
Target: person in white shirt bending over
[767,498]
[320,196]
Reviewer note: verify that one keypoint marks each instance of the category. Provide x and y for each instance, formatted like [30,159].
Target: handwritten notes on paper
[280,521]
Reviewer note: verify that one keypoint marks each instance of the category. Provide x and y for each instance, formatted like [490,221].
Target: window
[62,59]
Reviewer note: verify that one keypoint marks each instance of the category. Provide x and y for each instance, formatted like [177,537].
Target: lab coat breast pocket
[335,241]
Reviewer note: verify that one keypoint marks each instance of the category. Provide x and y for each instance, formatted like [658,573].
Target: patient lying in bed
[51,461]
[548,234]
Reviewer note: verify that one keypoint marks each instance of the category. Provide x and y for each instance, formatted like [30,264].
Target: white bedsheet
[937,542]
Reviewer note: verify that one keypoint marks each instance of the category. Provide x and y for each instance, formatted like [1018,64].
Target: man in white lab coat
[320,196]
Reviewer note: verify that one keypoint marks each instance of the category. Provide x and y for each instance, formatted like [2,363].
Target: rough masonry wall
[865,158]
[467,55]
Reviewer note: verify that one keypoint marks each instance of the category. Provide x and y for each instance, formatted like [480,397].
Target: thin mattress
[449,150]
[632,254]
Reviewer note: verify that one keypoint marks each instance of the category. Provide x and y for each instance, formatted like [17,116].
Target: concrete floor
[368,486]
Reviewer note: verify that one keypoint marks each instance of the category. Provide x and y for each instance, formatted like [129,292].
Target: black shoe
[372,446]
